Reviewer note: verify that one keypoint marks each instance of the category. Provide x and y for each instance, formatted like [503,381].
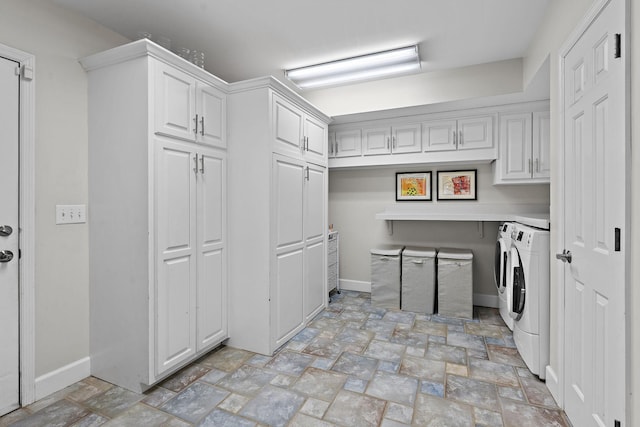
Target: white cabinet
[469,133]
[157,251]
[388,140]
[297,133]
[524,149]
[188,108]
[278,217]
[346,143]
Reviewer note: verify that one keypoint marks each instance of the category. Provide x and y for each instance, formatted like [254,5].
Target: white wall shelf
[460,211]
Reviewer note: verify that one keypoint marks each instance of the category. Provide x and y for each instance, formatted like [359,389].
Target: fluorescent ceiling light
[366,67]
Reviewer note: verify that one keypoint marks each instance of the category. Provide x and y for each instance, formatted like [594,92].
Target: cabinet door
[212,284]
[541,145]
[315,293]
[348,143]
[174,102]
[287,127]
[288,279]
[439,135]
[212,115]
[376,141]
[515,146]
[176,253]
[475,132]
[315,133]
[406,139]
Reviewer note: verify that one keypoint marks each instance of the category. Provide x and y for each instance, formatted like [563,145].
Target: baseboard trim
[62,377]
[484,300]
[553,384]
[355,285]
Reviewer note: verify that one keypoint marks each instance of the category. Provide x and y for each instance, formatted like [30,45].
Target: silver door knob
[6,256]
[5,230]
[565,256]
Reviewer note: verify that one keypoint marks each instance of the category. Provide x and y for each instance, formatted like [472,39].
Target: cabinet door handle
[461,139]
[195,162]
[537,165]
[306,173]
[202,126]
[202,164]
[530,165]
[195,130]
[393,142]
[388,146]
[336,149]
[455,138]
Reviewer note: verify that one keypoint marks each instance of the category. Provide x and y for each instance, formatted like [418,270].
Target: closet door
[211,301]
[174,102]
[315,292]
[176,253]
[287,280]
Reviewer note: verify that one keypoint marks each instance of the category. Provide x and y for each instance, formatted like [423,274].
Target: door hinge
[26,72]
[617,49]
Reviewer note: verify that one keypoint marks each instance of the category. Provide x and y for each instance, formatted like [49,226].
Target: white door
[316,134]
[175,194]
[541,144]
[287,127]
[315,292]
[406,139]
[376,141]
[348,143]
[9,147]
[475,132]
[439,135]
[515,146]
[211,105]
[175,104]
[211,301]
[595,208]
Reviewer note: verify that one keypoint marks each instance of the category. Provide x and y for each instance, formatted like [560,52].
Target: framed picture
[414,186]
[457,185]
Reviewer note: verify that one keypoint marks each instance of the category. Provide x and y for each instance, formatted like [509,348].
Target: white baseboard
[553,384]
[62,377]
[484,300]
[355,285]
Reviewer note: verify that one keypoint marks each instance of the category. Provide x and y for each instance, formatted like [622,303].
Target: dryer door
[518,285]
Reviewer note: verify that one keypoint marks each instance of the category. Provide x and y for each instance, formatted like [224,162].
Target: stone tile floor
[354,365]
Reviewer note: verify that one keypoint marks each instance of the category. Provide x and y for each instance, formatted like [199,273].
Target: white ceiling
[243,39]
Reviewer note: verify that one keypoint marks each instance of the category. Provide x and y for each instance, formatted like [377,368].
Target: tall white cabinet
[278,214]
[157,213]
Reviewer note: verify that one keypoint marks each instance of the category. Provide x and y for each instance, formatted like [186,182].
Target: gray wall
[356,195]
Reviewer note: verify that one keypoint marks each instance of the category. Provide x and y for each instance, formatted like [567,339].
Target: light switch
[71,214]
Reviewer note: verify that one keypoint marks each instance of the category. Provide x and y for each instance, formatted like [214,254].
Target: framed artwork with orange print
[413,186]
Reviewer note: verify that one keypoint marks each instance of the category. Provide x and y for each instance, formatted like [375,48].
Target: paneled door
[595,221]
[9,313]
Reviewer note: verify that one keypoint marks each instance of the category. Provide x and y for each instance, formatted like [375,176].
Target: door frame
[556,375]
[26,205]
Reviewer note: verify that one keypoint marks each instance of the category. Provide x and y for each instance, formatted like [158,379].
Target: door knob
[6,256]
[565,256]
[5,230]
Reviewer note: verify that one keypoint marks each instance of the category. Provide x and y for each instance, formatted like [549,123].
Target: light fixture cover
[365,67]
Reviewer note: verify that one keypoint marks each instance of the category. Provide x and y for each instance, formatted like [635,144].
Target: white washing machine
[530,293]
[502,271]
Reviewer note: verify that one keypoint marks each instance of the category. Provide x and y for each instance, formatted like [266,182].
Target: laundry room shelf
[480,212]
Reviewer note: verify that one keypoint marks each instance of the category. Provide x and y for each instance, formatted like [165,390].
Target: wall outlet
[71,214]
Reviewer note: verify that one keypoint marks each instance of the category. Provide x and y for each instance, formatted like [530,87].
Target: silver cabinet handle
[530,165]
[6,256]
[336,150]
[306,173]
[202,164]
[537,165]
[5,230]
[195,130]
[455,138]
[393,142]
[388,145]
[461,138]
[201,125]
[195,161]
[565,256]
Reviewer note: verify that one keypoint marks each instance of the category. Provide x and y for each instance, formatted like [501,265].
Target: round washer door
[518,286]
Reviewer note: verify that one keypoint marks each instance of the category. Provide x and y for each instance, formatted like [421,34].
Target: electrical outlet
[71,214]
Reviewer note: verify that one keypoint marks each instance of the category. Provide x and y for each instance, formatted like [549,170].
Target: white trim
[485,300]
[355,285]
[27,225]
[62,377]
[553,383]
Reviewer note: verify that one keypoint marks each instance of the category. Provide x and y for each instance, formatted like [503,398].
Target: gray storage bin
[385,276]
[418,279]
[455,283]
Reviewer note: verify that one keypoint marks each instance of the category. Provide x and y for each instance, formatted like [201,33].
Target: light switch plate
[71,214]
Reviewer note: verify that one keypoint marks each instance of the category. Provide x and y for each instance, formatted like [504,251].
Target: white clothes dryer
[530,295]
[502,271]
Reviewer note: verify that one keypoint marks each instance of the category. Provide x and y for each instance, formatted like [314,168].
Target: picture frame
[413,186]
[457,185]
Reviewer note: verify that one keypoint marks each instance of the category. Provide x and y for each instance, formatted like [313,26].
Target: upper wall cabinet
[392,139]
[345,143]
[188,108]
[469,133]
[297,133]
[524,149]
